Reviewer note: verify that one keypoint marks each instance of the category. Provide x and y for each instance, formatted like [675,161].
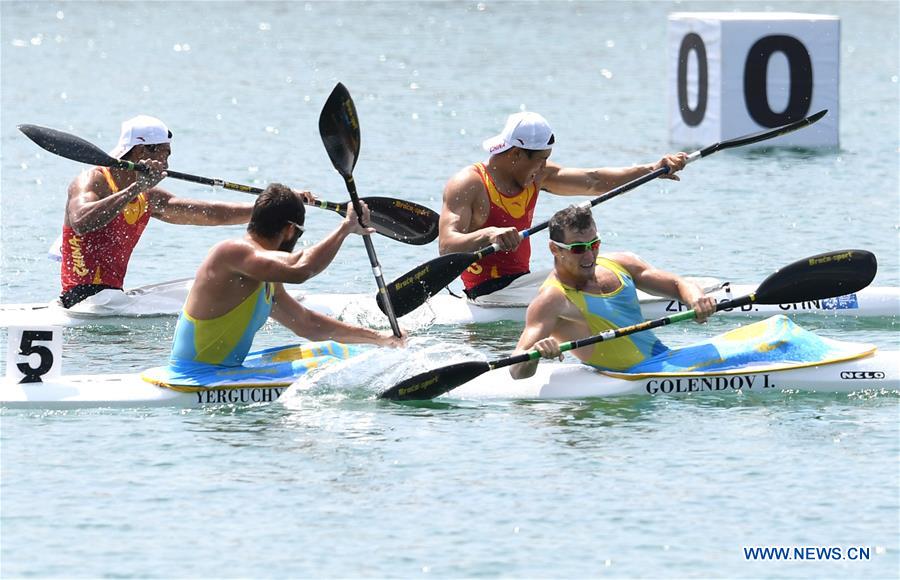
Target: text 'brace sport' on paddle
[412,289]
[397,219]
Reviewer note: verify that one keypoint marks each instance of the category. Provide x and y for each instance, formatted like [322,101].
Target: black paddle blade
[412,289]
[68,146]
[435,383]
[764,134]
[822,276]
[339,128]
[403,221]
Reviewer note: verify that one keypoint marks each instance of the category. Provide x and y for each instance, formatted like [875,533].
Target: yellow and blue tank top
[613,310]
[216,352]
[224,340]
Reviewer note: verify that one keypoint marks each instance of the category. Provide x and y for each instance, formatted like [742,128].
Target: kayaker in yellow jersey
[587,293]
[488,203]
[240,285]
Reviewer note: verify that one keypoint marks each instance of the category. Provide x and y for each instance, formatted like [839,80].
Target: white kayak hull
[167,299]
[872,302]
[123,390]
[878,371]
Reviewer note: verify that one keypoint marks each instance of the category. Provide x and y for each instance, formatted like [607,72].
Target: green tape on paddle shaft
[681,316]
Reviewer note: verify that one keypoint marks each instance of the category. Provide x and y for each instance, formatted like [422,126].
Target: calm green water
[332,483]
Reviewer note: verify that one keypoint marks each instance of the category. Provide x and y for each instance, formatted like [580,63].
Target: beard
[288,245]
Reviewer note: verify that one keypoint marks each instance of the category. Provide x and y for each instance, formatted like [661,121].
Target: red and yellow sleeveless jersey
[101,256]
[515,211]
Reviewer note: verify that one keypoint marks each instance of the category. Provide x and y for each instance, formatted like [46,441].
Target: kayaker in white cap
[108,209]
[490,202]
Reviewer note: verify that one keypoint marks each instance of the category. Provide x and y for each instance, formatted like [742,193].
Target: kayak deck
[880,370]
[551,381]
[444,308]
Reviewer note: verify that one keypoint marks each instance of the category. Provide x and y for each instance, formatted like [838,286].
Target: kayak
[126,390]
[770,355]
[265,375]
[166,299]
[871,302]
[105,307]
[877,371]
[810,363]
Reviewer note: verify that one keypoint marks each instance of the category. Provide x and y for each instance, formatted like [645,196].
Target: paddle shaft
[699,154]
[246,189]
[339,129]
[329,205]
[623,331]
[813,278]
[403,221]
[413,288]
[373,259]
[431,384]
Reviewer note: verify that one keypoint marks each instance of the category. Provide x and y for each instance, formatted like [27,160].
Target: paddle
[822,276]
[400,220]
[339,128]
[412,289]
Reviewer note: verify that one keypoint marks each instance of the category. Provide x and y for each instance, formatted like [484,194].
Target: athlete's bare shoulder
[634,264]
[464,196]
[550,297]
[231,249]
[465,184]
[90,181]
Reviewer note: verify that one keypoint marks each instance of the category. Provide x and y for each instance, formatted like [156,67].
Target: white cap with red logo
[524,130]
[141,130]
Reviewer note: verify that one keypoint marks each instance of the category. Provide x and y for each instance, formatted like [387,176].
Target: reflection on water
[334,483]
[594,412]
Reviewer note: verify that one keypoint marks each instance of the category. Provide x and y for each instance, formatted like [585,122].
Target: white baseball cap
[524,130]
[141,130]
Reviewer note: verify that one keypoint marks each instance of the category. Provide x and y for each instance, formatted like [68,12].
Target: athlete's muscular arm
[178,210]
[460,228]
[660,282]
[92,205]
[295,267]
[244,258]
[277,266]
[540,322]
[315,326]
[316,258]
[594,182]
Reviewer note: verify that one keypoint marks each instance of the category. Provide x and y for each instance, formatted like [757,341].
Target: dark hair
[574,217]
[274,208]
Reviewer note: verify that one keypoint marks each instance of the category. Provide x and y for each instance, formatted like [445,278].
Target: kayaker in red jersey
[489,203]
[108,209]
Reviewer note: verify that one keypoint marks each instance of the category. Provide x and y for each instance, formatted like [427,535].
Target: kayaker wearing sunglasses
[587,293]
[240,285]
